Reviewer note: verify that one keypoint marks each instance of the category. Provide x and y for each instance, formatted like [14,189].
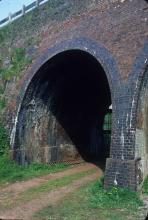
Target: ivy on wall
[14,66]
[17,62]
[3,140]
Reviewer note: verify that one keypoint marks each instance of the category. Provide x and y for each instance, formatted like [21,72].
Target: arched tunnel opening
[65,112]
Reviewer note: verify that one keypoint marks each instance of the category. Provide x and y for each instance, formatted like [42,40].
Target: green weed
[18,62]
[10,171]
[4,144]
[114,197]
[145,186]
[2,103]
[2,89]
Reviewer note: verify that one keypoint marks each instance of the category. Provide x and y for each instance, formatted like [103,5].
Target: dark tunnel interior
[74,88]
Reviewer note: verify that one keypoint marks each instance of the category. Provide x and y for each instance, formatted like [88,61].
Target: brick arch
[99,52]
[140,111]
[135,83]
[123,165]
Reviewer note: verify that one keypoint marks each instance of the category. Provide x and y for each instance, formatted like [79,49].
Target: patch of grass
[10,171]
[93,202]
[113,198]
[145,186]
[34,192]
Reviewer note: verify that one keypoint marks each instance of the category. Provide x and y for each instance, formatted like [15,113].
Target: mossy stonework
[80,63]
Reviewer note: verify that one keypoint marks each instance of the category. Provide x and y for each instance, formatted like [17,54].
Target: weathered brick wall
[120,28]
[141,145]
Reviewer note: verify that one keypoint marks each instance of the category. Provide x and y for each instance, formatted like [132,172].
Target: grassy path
[18,187]
[92,202]
[22,203]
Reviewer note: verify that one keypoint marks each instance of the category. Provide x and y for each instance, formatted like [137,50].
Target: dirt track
[27,209]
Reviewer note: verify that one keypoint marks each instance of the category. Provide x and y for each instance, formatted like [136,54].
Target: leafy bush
[3,140]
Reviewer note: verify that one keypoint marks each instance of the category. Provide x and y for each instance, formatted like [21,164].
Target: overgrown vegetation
[113,198]
[10,171]
[32,23]
[145,186]
[9,68]
[94,202]
[17,63]
[3,141]
[2,103]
